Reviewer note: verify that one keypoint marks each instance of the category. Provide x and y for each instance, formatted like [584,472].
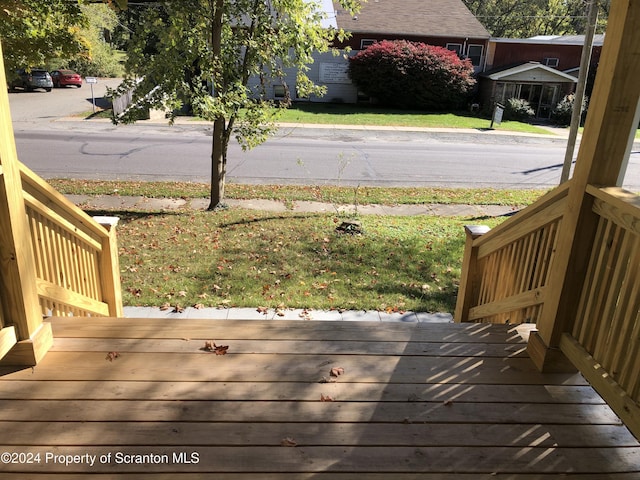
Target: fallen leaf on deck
[448,403]
[111,356]
[210,346]
[288,442]
[336,371]
[327,380]
[325,398]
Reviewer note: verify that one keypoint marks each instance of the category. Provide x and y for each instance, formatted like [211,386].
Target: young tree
[203,53]
[409,74]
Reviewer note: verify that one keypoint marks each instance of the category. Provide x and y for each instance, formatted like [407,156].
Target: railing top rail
[79,217]
[538,206]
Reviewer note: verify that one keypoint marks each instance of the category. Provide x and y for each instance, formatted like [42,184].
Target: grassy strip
[347,114]
[239,258]
[290,193]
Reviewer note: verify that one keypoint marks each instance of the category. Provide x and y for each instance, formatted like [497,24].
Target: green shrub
[412,75]
[518,109]
[562,112]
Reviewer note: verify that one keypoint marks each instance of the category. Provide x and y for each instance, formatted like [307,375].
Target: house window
[551,62]
[365,42]
[279,91]
[455,47]
[474,53]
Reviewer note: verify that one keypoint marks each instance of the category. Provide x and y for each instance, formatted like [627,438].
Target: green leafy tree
[203,53]
[101,59]
[527,18]
[33,31]
[412,75]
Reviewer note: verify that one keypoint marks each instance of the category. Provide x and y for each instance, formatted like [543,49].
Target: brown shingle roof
[437,18]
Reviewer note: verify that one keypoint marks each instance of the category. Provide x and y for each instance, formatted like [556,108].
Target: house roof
[529,69]
[432,18]
[552,40]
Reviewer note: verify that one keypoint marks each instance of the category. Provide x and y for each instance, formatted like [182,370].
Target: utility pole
[576,114]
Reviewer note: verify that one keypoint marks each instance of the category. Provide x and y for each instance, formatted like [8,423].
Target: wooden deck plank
[107,327]
[287,411]
[317,434]
[203,366]
[333,476]
[297,391]
[337,476]
[296,346]
[436,402]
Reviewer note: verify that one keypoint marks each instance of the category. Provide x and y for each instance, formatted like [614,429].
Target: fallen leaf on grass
[165,306]
[177,309]
[288,442]
[111,356]
[336,371]
[210,346]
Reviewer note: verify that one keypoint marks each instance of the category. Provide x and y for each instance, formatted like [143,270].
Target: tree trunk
[218,164]
[220,137]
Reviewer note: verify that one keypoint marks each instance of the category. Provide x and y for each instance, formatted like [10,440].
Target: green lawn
[291,193]
[240,258]
[347,114]
[243,258]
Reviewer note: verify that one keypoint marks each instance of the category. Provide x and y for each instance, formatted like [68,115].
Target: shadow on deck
[429,401]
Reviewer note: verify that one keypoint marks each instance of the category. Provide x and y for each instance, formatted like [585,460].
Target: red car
[62,78]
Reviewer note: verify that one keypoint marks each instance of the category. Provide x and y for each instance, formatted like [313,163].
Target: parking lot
[40,106]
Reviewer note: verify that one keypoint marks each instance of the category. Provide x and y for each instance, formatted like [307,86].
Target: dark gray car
[30,80]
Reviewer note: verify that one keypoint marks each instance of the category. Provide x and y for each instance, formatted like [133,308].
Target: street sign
[91,81]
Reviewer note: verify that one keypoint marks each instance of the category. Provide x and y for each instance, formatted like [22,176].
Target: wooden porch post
[601,157]
[469,277]
[18,296]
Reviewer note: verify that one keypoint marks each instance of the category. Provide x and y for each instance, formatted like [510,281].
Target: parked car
[62,78]
[31,79]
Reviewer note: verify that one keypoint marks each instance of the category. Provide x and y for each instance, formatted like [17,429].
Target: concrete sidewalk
[286,314]
[116,202]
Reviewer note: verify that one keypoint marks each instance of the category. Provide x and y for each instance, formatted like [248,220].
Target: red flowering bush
[412,75]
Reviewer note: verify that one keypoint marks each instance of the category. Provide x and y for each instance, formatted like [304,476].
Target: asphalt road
[329,157]
[98,150]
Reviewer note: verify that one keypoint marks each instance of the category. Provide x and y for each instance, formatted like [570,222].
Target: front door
[547,101]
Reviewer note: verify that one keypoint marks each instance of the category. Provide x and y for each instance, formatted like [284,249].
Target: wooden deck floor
[428,401]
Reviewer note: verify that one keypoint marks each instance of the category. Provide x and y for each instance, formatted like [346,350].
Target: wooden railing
[505,274]
[505,270]
[76,261]
[604,341]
